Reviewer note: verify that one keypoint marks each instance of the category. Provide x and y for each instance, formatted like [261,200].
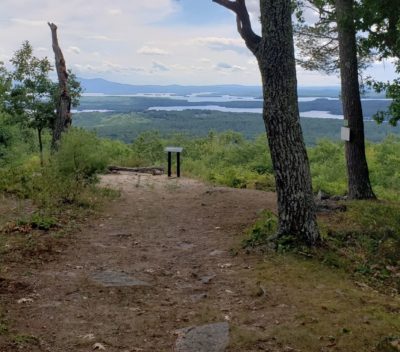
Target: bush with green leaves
[16,142]
[229,159]
[220,158]
[148,148]
[72,169]
[328,168]
[80,155]
[66,176]
[384,161]
[17,178]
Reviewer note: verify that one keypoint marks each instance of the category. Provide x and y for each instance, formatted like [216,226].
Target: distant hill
[99,85]
[102,86]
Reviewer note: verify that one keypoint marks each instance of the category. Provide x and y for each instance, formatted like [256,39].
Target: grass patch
[4,328]
[22,341]
[389,344]
[38,237]
[261,231]
[43,204]
[364,241]
[320,309]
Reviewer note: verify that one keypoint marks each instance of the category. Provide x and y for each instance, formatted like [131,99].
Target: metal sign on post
[178,151]
[345,134]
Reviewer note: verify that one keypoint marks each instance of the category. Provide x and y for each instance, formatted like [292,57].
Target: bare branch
[245,30]
[63,118]
[59,57]
[231,5]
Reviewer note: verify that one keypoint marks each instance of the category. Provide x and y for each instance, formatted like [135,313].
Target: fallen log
[143,170]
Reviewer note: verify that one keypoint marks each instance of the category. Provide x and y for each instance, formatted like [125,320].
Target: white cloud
[147,50]
[114,12]
[223,66]
[119,39]
[180,67]
[4,58]
[101,38]
[106,67]
[221,44]
[113,66]
[159,67]
[253,6]
[26,22]
[74,50]
[135,69]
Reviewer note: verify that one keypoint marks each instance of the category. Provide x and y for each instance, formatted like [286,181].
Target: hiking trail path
[160,263]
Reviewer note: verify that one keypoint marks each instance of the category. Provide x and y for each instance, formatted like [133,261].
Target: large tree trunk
[359,185]
[276,59]
[63,117]
[275,54]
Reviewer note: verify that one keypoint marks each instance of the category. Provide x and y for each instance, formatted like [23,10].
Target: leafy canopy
[33,96]
[378,26]
[30,96]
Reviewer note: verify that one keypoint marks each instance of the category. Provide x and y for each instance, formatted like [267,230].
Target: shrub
[71,170]
[328,167]
[148,148]
[16,143]
[66,177]
[80,156]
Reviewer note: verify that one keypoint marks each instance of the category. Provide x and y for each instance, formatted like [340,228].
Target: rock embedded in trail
[216,252]
[207,279]
[205,338]
[198,296]
[117,279]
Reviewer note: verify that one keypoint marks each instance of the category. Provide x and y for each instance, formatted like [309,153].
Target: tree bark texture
[276,60]
[359,186]
[275,55]
[63,117]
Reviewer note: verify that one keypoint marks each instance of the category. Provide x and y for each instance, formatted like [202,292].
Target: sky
[188,42]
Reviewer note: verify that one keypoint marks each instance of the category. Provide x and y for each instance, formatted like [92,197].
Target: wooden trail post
[178,151]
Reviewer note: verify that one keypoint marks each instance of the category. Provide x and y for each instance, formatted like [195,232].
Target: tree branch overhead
[245,30]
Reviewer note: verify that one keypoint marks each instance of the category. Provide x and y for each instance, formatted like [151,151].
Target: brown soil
[181,237]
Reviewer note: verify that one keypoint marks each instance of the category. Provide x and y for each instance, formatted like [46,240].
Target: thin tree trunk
[63,118]
[40,146]
[359,185]
[276,60]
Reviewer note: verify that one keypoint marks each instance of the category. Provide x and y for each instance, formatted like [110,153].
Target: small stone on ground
[205,338]
[117,279]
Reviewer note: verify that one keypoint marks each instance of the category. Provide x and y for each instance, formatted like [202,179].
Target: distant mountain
[99,85]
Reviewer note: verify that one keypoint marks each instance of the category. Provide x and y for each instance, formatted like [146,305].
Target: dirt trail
[174,237]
